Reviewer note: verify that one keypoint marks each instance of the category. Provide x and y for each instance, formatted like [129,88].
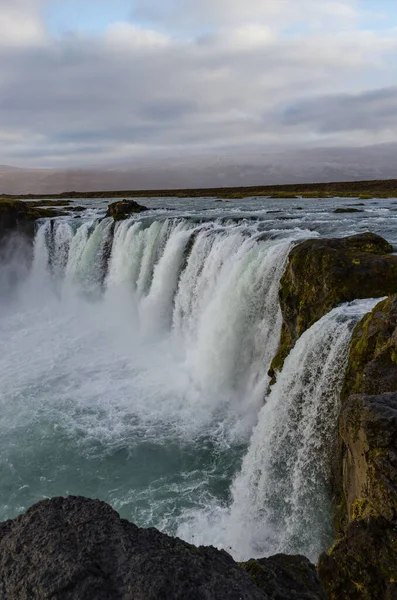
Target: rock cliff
[322,273]
[20,216]
[363,562]
[80,549]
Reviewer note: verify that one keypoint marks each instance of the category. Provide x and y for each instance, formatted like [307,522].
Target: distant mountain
[262,168]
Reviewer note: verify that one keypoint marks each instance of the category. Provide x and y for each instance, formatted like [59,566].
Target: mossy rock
[365,473]
[124,209]
[368,432]
[322,273]
[372,366]
[16,215]
[362,566]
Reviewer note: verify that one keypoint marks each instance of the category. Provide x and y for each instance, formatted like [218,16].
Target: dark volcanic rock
[124,209]
[368,430]
[284,577]
[372,367]
[323,273]
[348,210]
[367,487]
[17,216]
[80,549]
[363,566]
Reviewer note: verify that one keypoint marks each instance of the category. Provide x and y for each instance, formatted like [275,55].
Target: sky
[91,82]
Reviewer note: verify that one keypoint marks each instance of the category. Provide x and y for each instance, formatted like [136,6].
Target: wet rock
[323,273]
[348,210]
[80,549]
[124,209]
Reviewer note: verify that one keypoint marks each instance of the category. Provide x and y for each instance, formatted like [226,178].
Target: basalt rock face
[322,273]
[363,565]
[368,430]
[363,562]
[16,215]
[368,421]
[124,209]
[19,217]
[372,367]
[80,549]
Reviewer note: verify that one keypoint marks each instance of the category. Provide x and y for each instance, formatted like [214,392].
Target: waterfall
[281,496]
[159,335]
[211,288]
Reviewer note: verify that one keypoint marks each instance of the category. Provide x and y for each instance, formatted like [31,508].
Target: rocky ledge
[322,273]
[80,549]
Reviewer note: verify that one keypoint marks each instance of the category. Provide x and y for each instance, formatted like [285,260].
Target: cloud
[245,75]
[122,36]
[182,14]
[21,23]
[373,111]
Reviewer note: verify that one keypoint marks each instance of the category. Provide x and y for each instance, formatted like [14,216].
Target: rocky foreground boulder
[322,273]
[124,209]
[362,564]
[80,549]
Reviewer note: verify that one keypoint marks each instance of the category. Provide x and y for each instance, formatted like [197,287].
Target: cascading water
[136,363]
[281,497]
[136,369]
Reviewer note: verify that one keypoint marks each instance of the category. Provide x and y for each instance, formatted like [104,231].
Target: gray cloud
[369,111]
[81,99]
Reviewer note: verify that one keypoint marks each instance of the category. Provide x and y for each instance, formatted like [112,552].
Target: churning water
[134,369]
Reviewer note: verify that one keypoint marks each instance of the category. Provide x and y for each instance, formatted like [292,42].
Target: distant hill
[210,171]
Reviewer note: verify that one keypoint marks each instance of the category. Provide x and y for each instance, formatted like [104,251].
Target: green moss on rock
[18,215]
[323,273]
[372,366]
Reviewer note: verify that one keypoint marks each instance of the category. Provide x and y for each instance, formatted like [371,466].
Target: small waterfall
[280,498]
